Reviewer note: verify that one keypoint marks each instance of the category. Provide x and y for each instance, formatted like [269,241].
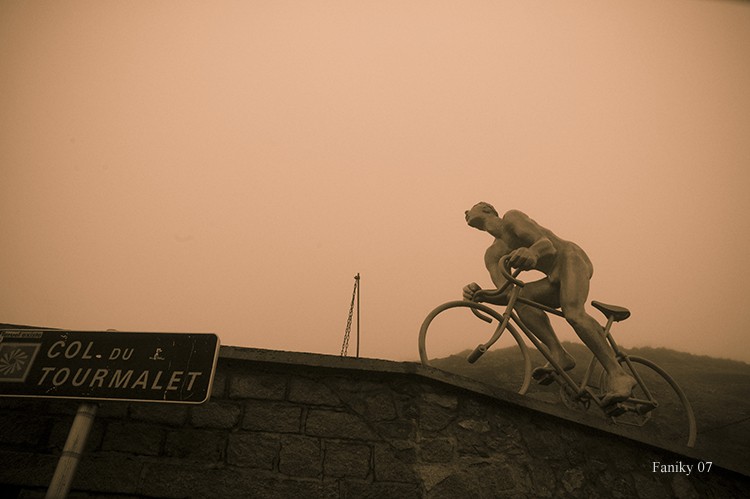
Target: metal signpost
[90,366]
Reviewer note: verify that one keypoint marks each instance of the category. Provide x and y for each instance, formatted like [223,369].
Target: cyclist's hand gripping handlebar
[505,269]
[492,293]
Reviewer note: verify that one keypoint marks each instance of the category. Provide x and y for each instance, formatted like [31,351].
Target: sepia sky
[229,167]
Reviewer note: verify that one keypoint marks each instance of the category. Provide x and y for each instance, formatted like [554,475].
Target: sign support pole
[358,288]
[62,480]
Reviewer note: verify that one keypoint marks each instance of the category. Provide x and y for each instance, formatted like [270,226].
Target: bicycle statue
[617,383]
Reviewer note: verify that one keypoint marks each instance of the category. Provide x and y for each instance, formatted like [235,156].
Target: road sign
[145,367]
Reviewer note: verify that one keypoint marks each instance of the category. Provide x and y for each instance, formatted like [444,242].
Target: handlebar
[505,269]
[511,279]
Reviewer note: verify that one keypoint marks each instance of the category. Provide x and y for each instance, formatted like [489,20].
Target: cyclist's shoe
[544,375]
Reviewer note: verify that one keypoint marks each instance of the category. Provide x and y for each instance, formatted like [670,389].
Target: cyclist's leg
[574,274]
[543,291]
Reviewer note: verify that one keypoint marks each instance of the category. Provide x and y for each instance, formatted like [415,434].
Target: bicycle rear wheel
[658,400]
[508,375]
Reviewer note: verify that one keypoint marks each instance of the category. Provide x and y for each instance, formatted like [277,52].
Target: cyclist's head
[475,216]
[487,208]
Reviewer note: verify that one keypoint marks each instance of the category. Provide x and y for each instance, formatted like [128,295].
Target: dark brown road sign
[148,367]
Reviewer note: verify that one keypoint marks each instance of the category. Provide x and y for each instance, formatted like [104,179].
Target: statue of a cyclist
[568,270]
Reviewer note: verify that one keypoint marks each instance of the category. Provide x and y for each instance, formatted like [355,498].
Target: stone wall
[283,424]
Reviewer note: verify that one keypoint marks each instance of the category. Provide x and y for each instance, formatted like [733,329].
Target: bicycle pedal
[615,410]
[645,409]
[543,376]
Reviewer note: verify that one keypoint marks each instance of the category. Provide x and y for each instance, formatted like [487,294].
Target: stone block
[167,481]
[351,489]
[272,416]
[60,430]
[30,405]
[346,460]
[380,407]
[112,474]
[26,468]
[647,487]
[280,488]
[134,438]
[300,456]
[311,392]
[434,417]
[475,438]
[441,400]
[453,485]
[398,429]
[472,408]
[353,401]
[257,386]
[543,481]
[253,450]
[219,384]
[334,424]
[573,479]
[484,479]
[23,428]
[167,414]
[616,482]
[198,445]
[114,410]
[543,443]
[353,384]
[407,408]
[437,450]
[20,493]
[475,425]
[494,476]
[62,406]
[390,465]
[406,387]
[215,415]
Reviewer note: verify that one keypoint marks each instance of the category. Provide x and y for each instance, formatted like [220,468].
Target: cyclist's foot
[566,361]
[620,387]
[544,374]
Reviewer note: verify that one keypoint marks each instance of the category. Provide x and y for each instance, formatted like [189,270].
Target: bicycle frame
[572,393]
[559,374]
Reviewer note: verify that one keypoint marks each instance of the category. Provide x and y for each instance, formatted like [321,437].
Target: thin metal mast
[355,294]
[359,290]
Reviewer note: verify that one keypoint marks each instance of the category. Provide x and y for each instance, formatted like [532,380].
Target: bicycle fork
[482,347]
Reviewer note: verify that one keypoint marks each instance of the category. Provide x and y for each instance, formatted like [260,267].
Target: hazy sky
[229,167]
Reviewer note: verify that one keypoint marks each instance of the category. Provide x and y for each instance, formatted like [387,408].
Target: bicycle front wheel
[657,400]
[514,373]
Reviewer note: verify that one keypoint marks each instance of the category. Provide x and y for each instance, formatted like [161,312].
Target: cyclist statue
[568,271]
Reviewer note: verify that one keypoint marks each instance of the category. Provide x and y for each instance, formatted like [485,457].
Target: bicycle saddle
[617,313]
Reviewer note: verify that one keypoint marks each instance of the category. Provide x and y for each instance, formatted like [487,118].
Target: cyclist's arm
[492,261]
[530,234]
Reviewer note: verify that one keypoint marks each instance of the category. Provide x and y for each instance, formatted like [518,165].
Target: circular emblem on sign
[13,361]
